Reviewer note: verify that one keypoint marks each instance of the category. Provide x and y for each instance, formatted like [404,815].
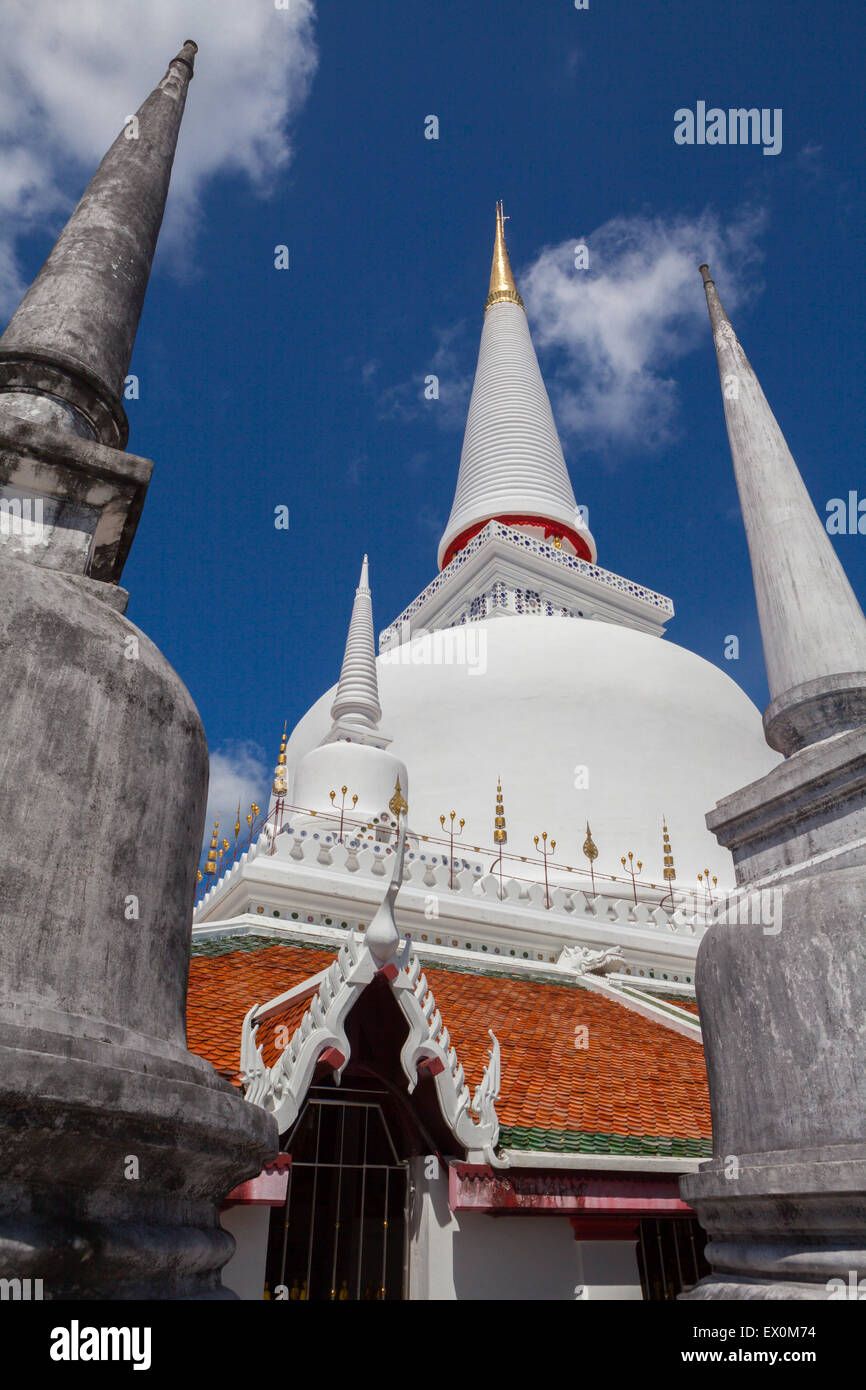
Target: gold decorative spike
[280,786]
[398,802]
[211,862]
[502,286]
[500,835]
[238,822]
[590,848]
[670,872]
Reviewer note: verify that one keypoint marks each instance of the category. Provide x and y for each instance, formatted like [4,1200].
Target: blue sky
[303,387]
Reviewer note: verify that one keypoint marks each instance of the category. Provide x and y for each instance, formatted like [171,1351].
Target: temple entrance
[342,1234]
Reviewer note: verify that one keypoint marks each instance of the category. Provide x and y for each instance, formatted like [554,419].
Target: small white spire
[357,700]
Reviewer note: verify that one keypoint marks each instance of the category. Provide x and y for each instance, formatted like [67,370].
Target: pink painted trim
[267,1190]
[476,1187]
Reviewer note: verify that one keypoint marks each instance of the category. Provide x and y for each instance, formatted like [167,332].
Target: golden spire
[500,836]
[502,286]
[398,801]
[670,872]
[211,862]
[589,846]
[590,849]
[280,788]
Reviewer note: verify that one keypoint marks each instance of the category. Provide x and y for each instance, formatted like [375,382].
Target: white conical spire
[813,628]
[351,776]
[357,700]
[512,467]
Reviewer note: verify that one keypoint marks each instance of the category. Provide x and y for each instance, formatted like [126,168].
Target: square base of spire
[68,503]
[505,572]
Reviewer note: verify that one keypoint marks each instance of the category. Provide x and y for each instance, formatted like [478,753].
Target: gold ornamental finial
[211,862]
[398,802]
[502,286]
[500,836]
[670,872]
[590,848]
[280,787]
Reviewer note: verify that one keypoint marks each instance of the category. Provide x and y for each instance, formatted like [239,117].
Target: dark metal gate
[670,1257]
[343,1232]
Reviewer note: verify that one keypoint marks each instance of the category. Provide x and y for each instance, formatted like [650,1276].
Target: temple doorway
[342,1233]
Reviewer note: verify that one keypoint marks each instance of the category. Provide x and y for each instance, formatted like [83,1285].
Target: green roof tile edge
[579,1141]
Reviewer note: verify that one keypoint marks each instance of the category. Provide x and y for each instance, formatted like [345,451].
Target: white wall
[607,1269]
[245,1272]
[525,1258]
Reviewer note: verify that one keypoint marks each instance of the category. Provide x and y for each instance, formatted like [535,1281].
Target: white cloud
[611,334]
[238,773]
[71,73]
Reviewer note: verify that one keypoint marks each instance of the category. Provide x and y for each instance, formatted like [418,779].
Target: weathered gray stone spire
[813,628]
[103,788]
[780,972]
[71,337]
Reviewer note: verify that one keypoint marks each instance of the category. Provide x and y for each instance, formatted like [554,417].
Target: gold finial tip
[502,286]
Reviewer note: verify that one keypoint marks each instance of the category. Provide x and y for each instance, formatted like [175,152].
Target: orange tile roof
[223,989]
[637,1087]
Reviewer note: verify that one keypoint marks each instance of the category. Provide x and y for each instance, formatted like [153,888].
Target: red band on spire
[551,528]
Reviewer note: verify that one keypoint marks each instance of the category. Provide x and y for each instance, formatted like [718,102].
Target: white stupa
[525,661]
[351,758]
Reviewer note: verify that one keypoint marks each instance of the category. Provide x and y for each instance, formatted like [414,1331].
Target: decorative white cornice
[310,879]
[532,578]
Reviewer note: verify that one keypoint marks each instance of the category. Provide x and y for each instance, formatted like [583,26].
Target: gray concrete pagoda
[781,973]
[116,1144]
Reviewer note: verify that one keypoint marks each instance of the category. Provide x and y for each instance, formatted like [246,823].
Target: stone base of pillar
[115,1162]
[783,1225]
[117,1146]
[781,1001]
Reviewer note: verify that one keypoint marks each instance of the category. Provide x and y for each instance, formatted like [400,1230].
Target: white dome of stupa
[583,721]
